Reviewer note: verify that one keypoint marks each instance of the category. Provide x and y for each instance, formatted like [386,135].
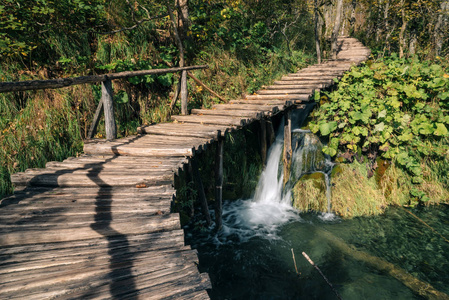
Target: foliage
[397,109]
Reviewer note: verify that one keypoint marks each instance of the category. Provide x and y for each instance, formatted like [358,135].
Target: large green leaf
[326,128]
[441,130]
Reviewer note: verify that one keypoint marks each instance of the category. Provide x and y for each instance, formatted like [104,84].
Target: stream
[251,258]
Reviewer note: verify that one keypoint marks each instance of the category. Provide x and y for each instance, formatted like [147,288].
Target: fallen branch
[418,286]
[415,216]
[294,261]
[204,86]
[322,275]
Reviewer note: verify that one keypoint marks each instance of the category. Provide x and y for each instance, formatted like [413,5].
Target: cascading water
[269,208]
[271,205]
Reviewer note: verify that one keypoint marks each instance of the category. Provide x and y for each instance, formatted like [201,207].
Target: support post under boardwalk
[219,182]
[107,95]
[184,93]
[271,135]
[199,184]
[263,140]
[287,157]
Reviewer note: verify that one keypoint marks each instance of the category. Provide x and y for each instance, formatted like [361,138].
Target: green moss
[309,193]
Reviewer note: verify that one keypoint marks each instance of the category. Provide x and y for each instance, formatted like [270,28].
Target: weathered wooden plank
[138,270]
[160,223]
[151,240]
[87,180]
[175,129]
[297,86]
[280,91]
[261,106]
[230,121]
[21,271]
[295,81]
[155,150]
[231,113]
[266,104]
[302,97]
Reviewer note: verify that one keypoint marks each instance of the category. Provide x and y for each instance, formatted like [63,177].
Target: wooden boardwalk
[100,226]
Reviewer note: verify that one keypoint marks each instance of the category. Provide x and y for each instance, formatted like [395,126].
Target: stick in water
[321,273]
[294,261]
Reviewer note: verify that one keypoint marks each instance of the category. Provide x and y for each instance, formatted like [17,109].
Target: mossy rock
[307,155]
[309,193]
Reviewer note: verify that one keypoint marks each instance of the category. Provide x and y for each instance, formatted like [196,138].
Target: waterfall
[271,205]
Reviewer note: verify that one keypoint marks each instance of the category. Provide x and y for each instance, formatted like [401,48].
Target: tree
[336,29]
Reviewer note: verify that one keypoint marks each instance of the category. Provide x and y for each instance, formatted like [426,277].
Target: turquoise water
[255,262]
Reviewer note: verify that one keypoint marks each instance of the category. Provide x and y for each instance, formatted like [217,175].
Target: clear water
[261,267]
[251,258]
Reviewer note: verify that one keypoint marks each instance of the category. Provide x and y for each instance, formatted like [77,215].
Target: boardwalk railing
[106,104]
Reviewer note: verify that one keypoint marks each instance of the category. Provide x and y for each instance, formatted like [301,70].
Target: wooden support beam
[176,95]
[263,140]
[219,183]
[199,184]
[184,93]
[205,86]
[271,135]
[287,157]
[96,120]
[107,95]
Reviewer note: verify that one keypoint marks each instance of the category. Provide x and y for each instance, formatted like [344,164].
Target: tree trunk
[352,20]
[317,33]
[440,26]
[183,18]
[336,28]
[402,31]
[413,42]
[184,92]
[386,25]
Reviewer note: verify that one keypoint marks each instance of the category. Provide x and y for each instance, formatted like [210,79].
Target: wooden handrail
[65,82]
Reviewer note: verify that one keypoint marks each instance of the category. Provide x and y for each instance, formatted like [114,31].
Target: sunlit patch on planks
[101,226]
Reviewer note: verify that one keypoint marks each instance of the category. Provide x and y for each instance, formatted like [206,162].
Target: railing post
[184,93]
[107,95]
[219,182]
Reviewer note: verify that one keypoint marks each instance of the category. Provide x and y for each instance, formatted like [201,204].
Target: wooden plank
[231,113]
[165,222]
[266,104]
[302,97]
[138,270]
[87,180]
[297,86]
[154,150]
[230,121]
[152,241]
[175,129]
[295,81]
[280,91]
